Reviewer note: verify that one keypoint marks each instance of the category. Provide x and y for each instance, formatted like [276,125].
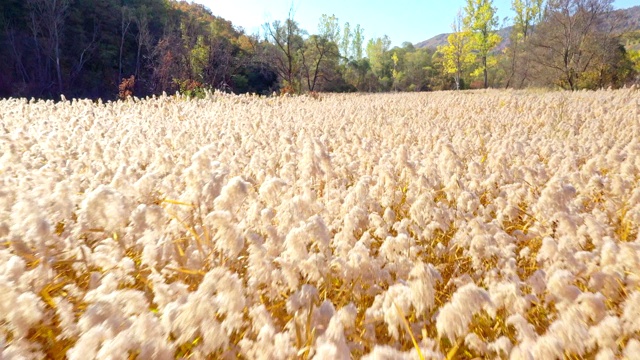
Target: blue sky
[402,20]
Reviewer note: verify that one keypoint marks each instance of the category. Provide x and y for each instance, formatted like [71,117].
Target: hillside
[630,22]
[433,42]
[441,39]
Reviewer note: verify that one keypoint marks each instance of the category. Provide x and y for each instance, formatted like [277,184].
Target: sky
[401,20]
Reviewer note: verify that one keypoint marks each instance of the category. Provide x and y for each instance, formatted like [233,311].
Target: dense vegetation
[85,48]
[111,48]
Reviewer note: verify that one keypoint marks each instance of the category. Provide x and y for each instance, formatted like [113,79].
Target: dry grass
[479,209]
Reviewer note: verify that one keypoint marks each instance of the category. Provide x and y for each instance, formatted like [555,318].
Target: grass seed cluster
[491,224]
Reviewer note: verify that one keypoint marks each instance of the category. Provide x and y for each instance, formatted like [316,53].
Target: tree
[222,61]
[83,48]
[86,44]
[572,37]
[143,37]
[527,14]
[288,40]
[319,60]
[634,59]
[417,66]
[613,68]
[329,28]
[345,42]
[358,42]
[356,72]
[439,79]
[260,73]
[168,57]
[125,22]
[14,53]
[395,73]
[480,18]
[47,19]
[457,54]
[380,61]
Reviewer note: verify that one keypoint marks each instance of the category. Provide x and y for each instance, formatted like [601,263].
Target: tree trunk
[58,70]
[47,20]
[124,27]
[514,48]
[486,78]
[56,40]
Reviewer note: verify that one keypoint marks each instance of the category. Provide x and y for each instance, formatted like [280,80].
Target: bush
[126,88]
[192,88]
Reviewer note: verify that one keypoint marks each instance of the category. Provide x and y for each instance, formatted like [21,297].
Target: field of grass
[483,224]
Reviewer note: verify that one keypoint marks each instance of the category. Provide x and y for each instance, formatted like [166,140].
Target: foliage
[634,57]
[84,48]
[568,58]
[528,13]
[380,61]
[126,88]
[458,55]
[319,61]
[481,20]
[357,43]
[613,68]
[289,43]
[192,88]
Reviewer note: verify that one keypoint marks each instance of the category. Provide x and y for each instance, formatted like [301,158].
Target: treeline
[569,44]
[338,59]
[110,48]
[89,48]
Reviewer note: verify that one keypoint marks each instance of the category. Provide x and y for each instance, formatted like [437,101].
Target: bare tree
[570,39]
[85,54]
[287,37]
[47,20]
[143,36]
[527,14]
[16,51]
[220,64]
[125,22]
[168,63]
[318,55]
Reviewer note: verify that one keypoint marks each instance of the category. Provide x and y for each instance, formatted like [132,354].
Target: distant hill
[631,22]
[441,39]
[433,42]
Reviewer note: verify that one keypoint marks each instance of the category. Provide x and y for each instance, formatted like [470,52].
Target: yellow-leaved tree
[481,19]
[457,55]
[634,56]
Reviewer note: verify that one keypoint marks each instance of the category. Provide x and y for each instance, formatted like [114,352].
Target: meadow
[448,225]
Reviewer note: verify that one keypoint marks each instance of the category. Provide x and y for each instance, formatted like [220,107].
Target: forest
[118,48]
